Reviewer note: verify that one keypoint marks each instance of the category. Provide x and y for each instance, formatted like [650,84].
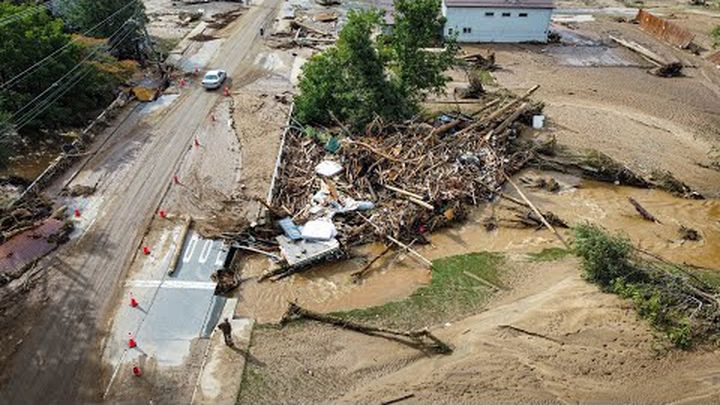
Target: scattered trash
[328,168]
[318,230]
[291,230]
[538,121]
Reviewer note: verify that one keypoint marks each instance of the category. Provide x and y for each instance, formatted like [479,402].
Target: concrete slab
[221,375]
[177,312]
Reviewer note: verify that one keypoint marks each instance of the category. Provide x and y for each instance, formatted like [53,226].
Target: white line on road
[179,284]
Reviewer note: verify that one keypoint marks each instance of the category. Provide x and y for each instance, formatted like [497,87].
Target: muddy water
[31,159]
[329,287]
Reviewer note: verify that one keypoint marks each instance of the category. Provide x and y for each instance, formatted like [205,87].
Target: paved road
[58,361]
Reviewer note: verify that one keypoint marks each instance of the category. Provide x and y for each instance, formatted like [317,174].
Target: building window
[506,14]
[522,15]
[489,14]
[467,30]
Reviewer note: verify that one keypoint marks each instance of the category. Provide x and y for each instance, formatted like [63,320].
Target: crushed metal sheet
[301,252]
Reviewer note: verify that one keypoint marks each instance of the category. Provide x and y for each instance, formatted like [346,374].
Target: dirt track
[56,359]
[595,350]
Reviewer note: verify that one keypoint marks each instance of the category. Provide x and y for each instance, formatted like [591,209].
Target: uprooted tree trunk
[421,339]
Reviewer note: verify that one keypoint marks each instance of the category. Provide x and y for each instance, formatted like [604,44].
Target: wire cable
[59,88]
[22,75]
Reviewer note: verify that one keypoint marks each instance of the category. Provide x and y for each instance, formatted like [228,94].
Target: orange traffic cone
[176,180]
[77,213]
[131,342]
[146,250]
[136,371]
[133,301]
[162,214]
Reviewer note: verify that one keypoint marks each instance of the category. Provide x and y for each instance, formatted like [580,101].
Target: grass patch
[550,254]
[452,293]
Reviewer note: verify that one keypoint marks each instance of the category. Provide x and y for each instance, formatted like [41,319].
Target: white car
[214,79]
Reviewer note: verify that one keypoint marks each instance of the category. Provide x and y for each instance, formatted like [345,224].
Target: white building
[497,20]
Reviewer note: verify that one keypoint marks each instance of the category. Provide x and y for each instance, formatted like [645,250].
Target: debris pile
[395,182]
[23,216]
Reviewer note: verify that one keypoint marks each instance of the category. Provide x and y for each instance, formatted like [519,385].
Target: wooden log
[645,214]
[295,311]
[358,275]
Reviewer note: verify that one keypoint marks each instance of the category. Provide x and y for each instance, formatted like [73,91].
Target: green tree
[365,74]
[419,25]
[122,21]
[26,73]
[348,81]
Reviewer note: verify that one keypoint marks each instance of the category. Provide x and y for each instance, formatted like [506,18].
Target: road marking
[190,248]
[205,253]
[175,284]
[220,260]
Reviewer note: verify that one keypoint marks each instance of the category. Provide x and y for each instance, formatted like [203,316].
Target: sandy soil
[594,350]
[646,122]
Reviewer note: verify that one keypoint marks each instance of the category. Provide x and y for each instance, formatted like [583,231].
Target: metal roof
[501,3]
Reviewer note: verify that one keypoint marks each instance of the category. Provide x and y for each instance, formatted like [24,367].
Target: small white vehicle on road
[214,79]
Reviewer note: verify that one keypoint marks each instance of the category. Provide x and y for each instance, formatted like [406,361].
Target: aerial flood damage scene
[359,201]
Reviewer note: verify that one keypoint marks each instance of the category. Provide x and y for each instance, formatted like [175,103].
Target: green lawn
[452,293]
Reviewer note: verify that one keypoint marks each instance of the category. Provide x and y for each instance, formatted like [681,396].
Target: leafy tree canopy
[29,40]
[367,73]
[122,21]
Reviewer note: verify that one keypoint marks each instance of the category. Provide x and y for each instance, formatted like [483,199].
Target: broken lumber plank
[499,112]
[537,212]
[403,192]
[508,121]
[645,214]
[421,203]
[647,54]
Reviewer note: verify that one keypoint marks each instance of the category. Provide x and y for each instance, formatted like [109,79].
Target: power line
[58,93]
[21,76]
[57,89]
